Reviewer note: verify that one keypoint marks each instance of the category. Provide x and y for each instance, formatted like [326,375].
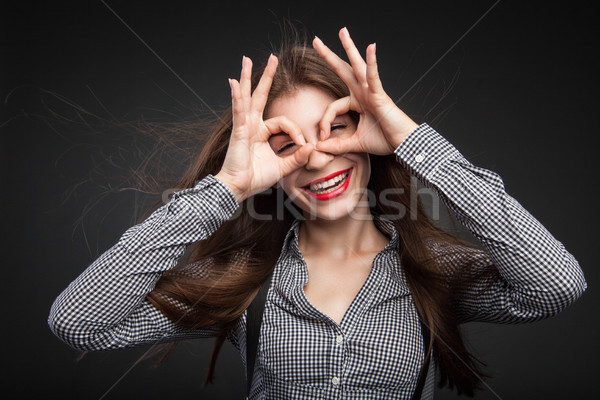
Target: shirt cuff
[423,151]
[214,195]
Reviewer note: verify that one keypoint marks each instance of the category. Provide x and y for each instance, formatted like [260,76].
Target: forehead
[304,106]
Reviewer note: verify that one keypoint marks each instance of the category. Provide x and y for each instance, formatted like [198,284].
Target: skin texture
[306,108]
[251,166]
[338,238]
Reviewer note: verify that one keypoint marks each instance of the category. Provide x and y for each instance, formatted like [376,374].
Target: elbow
[571,282]
[551,297]
[65,329]
[86,333]
[69,328]
[569,291]
[567,287]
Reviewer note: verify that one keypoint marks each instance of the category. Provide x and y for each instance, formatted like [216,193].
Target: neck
[343,238]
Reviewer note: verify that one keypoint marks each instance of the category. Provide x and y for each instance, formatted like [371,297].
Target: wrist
[227,180]
[396,125]
[399,136]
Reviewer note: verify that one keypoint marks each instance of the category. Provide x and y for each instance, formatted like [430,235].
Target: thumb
[338,145]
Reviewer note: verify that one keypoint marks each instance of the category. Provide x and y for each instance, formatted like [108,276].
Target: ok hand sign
[382,126]
[250,165]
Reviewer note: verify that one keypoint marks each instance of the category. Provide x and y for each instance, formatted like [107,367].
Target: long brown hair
[224,272]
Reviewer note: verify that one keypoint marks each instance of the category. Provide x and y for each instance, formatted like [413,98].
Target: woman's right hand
[251,166]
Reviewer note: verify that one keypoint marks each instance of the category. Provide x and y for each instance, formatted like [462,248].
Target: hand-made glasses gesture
[251,166]
[382,126]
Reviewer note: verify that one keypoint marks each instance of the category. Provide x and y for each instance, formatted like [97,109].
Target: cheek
[288,183]
[365,167]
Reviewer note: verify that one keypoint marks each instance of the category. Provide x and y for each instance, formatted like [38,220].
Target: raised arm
[106,306]
[538,276]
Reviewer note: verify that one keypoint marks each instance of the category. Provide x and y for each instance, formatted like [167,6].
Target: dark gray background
[518,95]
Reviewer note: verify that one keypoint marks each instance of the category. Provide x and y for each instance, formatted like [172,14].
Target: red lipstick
[332,194]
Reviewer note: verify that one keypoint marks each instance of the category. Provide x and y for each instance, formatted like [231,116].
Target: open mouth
[330,186]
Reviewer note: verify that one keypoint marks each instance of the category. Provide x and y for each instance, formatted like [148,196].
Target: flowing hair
[223,273]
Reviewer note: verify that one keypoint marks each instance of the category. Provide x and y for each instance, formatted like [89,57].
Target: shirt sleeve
[106,306]
[538,276]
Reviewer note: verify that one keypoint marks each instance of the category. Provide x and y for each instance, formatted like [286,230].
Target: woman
[308,180]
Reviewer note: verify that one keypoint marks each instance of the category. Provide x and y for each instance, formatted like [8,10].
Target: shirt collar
[382,223]
[290,277]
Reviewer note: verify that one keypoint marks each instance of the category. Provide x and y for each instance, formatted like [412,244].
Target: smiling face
[329,186]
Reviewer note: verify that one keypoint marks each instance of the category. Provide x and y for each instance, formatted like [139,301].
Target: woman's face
[329,186]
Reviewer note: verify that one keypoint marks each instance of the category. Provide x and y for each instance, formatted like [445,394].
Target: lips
[325,178]
[329,186]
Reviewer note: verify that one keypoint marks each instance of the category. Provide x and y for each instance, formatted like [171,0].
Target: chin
[351,206]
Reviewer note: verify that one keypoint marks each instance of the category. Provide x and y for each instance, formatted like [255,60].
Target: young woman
[308,180]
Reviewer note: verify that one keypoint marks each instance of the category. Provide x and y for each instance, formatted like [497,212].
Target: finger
[246,80]
[333,109]
[372,71]
[294,161]
[284,124]
[261,92]
[341,67]
[237,104]
[358,64]
[339,145]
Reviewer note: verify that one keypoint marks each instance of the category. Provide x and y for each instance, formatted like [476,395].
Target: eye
[341,130]
[337,126]
[281,143]
[285,147]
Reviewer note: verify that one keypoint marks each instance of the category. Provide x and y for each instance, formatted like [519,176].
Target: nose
[318,160]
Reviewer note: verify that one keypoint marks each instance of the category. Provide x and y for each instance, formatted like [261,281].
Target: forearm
[97,309]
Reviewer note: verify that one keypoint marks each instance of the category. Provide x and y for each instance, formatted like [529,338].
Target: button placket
[339,355]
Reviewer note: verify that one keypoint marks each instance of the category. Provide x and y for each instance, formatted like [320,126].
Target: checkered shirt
[377,349]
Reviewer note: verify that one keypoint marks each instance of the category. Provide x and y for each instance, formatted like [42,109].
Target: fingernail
[346,31]
[243,59]
[322,134]
[318,39]
[302,140]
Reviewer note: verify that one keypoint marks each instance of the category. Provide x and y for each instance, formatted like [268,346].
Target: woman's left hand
[382,126]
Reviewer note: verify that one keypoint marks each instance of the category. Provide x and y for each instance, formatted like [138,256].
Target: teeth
[329,185]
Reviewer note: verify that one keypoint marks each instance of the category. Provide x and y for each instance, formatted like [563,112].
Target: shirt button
[335,380]
[419,157]
[339,339]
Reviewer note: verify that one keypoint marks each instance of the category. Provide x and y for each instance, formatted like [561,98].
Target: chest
[378,347]
[333,285]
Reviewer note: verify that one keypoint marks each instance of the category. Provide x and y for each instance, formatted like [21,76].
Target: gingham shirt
[376,351]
